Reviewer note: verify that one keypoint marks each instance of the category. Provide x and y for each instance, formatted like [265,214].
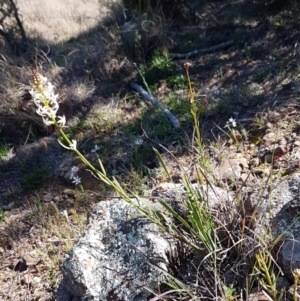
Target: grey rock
[269,158]
[289,256]
[121,249]
[254,162]
[47,197]
[214,195]
[56,199]
[69,193]
[218,199]
[8,207]
[231,169]
[286,221]
[269,138]
[116,256]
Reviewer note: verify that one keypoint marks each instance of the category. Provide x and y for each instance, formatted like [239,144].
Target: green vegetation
[35,177]
[226,103]
[4,149]
[177,81]
[2,215]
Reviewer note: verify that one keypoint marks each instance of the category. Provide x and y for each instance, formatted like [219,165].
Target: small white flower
[64,213]
[233,122]
[74,169]
[76,180]
[37,97]
[96,148]
[73,145]
[47,121]
[62,121]
[44,111]
[230,123]
[215,90]
[138,141]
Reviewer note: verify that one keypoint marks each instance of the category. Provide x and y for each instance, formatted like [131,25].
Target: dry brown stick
[155,101]
[201,51]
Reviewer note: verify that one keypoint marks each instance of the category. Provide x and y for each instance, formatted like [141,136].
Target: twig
[155,101]
[201,51]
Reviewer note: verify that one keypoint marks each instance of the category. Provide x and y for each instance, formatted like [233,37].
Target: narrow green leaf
[161,161]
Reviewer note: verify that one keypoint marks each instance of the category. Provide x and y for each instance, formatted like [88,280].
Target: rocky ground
[255,81]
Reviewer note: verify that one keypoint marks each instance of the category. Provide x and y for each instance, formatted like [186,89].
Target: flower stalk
[47,107]
[198,231]
[196,115]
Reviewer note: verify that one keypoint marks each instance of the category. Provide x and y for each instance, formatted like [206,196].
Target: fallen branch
[155,101]
[201,51]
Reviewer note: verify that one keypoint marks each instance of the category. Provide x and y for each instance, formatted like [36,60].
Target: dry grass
[88,55]
[58,21]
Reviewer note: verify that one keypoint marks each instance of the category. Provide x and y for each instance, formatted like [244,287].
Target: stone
[280,151]
[282,141]
[67,176]
[70,201]
[32,258]
[56,199]
[69,193]
[286,221]
[247,177]
[116,256]
[112,260]
[254,162]
[269,158]
[289,256]
[8,207]
[231,169]
[277,208]
[266,204]
[269,138]
[47,197]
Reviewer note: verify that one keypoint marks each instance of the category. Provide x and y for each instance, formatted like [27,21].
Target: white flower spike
[45,99]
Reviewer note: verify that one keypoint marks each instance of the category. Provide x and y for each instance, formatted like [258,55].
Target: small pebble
[70,201]
[282,141]
[8,207]
[56,199]
[254,162]
[297,143]
[270,137]
[269,125]
[268,158]
[47,197]
[70,193]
